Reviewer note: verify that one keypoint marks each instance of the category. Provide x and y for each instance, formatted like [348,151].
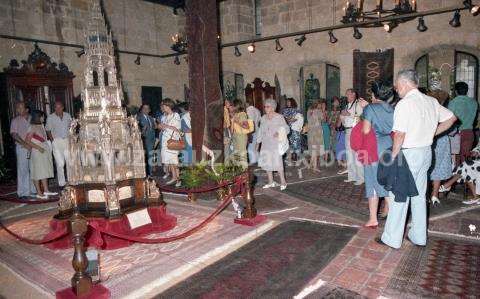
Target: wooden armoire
[39,82]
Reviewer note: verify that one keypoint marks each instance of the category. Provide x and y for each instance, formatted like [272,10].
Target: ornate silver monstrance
[106,163]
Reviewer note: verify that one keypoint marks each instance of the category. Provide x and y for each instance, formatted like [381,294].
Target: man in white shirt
[417,119]
[350,117]
[57,127]
[255,115]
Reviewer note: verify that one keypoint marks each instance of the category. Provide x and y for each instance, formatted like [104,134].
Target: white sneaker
[435,200]
[44,196]
[283,187]
[178,184]
[472,201]
[358,183]
[442,189]
[165,176]
[50,193]
[272,185]
[343,171]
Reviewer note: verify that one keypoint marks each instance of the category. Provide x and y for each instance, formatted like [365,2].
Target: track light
[237,52]
[80,53]
[475,10]
[251,48]
[455,21]
[137,61]
[421,25]
[300,40]
[278,47]
[176,61]
[333,39]
[389,26]
[356,33]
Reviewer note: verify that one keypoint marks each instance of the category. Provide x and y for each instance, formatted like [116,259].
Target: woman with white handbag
[272,136]
[41,162]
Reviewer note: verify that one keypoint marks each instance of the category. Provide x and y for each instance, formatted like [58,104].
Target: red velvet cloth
[250,221]
[98,292]
[161,222]
[365,145]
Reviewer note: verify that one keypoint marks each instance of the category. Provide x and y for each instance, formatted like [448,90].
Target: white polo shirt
[417,115]
[58,126]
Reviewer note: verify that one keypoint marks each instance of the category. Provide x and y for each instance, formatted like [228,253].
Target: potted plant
[193,177]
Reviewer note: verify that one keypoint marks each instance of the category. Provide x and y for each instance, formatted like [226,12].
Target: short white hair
[270,102]
[409,75]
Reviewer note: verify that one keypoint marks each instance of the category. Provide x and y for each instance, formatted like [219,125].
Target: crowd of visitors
[432,133]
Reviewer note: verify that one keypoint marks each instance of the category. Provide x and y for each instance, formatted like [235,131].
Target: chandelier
[179,43]
[354,13]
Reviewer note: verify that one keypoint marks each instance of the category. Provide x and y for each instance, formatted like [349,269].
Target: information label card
[138,218]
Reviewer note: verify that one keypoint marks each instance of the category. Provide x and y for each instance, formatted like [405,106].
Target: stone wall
[283,16]
[136,26]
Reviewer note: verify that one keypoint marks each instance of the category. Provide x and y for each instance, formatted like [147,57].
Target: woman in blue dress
[377,116]
[441,168]
[325,127]
[290,113]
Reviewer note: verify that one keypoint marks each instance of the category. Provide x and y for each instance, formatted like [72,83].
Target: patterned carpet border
[443,269]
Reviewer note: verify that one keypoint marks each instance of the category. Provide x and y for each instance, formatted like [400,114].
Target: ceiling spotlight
[455,21]
[176,61]
[251,48]
[333,39]
[467,3]
[389,26]
[137,61]
[278,47]
[475,10]
[237,52]
[80,53]
[356,33]
[421,25]
[300,40]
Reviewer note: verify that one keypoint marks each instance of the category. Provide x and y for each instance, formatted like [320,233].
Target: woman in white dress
[41,165]
[170,129]
[272,135]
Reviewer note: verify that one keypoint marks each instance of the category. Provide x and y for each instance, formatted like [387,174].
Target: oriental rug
[443,269]
[137,268]
[276,265]
[349,200]
[465,224]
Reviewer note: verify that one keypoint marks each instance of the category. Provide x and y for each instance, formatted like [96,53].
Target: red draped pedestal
[98,292]
[161,222]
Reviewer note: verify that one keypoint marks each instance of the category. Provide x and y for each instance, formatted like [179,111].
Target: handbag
[175,145]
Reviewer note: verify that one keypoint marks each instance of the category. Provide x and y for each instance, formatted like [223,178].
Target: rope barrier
[238,187]
[185,234]
[42,241]
[237,180]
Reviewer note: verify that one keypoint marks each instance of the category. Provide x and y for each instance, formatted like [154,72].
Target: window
[95,78]
[421,67]
[466,70]
[105,78]
[257,4]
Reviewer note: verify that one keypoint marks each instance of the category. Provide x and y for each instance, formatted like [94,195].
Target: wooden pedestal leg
[250,211]
[81,282]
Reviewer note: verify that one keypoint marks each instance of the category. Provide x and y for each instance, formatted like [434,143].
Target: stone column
[204,76]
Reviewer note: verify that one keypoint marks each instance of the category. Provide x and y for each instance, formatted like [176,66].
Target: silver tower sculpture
[106,166]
